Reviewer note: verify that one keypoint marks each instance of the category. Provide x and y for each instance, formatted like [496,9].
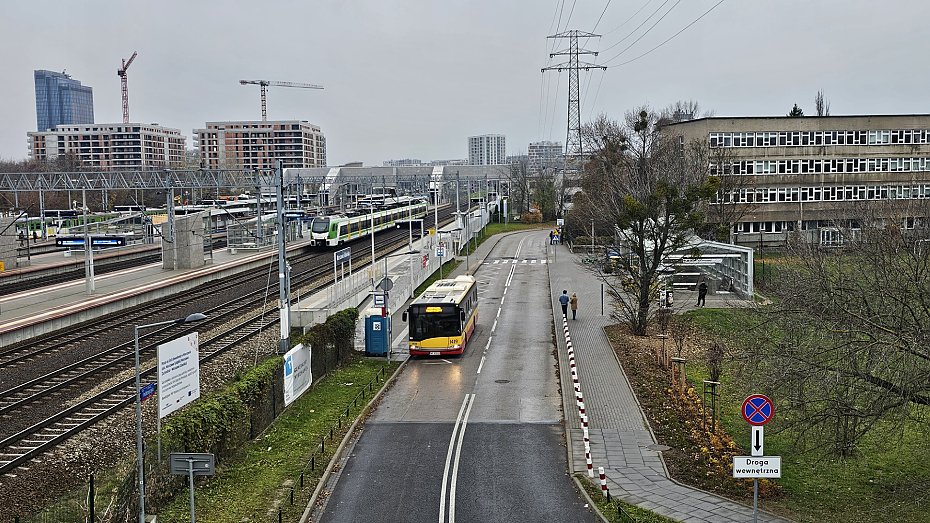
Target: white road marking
[458,455]
[481,364]
[498,312]
[486,347]
[502,298]
[445,471]
[494,327]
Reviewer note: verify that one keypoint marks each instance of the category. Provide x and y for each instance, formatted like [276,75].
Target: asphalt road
[478,437]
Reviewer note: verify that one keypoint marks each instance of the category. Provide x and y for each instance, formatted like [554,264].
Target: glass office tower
[62,100]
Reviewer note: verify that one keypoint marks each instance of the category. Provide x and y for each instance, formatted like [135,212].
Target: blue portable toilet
[377,333]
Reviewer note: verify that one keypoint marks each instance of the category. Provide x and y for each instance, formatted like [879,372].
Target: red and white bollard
[584,420]
[604,489]
[581,407]
[587,457]
[585,436]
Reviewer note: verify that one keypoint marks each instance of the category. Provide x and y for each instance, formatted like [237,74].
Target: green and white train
[338,229]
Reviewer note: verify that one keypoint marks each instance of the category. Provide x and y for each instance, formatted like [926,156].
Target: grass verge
[250,487]
[617,510]
[883,482]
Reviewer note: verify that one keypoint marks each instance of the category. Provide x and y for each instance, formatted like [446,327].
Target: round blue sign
[758,409]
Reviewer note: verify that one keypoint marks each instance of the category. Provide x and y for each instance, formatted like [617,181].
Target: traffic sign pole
[757,410]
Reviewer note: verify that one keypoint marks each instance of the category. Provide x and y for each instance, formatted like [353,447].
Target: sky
[415,78]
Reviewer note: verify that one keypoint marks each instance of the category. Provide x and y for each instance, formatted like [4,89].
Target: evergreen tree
[796,112]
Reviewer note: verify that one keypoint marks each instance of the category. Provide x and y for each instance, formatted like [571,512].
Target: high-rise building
[111,146]
[258,144]
[62,100]
[487,149]
[544,154]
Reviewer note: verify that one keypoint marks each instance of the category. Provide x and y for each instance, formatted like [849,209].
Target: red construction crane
[121,72]
[266,83]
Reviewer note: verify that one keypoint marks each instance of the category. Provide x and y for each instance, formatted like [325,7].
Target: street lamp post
[191,318]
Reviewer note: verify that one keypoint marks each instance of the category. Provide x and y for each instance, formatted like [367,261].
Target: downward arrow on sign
[757,441]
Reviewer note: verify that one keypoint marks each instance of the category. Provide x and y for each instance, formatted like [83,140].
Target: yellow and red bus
[443,318]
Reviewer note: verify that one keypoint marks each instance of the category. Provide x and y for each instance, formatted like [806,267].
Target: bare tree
[649,189]
[847,344]
[519,179]
[682,111]
[822,105]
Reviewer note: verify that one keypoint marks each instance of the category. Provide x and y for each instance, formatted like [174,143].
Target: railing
[308,478]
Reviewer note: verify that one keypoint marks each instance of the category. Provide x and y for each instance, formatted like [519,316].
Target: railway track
[76,378]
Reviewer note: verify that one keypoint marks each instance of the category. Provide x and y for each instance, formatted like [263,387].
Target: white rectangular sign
[757,441]
[756,467]
[178,373]
[297,374]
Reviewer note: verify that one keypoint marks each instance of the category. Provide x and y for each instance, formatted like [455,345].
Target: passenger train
[335,230]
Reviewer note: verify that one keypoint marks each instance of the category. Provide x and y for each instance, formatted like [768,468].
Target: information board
[178,373]
[297,373]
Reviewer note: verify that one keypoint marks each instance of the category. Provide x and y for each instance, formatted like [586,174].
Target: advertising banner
[178,373]
[297,374]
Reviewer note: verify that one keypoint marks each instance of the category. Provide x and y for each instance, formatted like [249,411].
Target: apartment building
[487,149]
[111,146]
[258,144]
[819,175]
[544,154]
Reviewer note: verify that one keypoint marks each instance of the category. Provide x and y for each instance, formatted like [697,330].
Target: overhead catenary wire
[674,35]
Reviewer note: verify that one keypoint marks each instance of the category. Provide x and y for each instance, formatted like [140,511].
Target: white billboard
[297,374]
[178,373]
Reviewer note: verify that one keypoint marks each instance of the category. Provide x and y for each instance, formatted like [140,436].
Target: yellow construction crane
[266,83]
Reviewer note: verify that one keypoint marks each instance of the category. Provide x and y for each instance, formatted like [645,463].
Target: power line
[674,35]
[602,16]
[628,19]
[637,27]
[645,33]
[569,19]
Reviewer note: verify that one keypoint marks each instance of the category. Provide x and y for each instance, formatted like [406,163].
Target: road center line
[499,312]
[494,327]
[458,455]
[445,471]
[481,364]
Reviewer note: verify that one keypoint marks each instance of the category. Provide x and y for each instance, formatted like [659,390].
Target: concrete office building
[257,144]
[818,174]
[544,154]
[487,149]
[61,100]
[406,162]
[111,146]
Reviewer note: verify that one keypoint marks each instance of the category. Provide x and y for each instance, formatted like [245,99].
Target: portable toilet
[377,333]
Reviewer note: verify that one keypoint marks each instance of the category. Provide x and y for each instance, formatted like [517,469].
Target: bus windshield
[320,225]
[424,325]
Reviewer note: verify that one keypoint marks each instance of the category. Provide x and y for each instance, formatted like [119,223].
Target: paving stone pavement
[619,434]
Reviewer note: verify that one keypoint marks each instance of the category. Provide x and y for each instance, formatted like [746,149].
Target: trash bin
[377,333]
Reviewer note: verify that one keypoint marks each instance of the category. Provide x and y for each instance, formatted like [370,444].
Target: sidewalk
[620,436]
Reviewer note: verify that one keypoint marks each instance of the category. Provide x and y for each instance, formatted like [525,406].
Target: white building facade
[487,149]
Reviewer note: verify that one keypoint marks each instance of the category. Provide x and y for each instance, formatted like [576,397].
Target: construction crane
[266,83]
[121,72]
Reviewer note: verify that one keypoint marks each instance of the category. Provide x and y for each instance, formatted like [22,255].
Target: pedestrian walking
[563,300]
[22,238]
[35,236]
[574,303]
[551,235]
[702,293]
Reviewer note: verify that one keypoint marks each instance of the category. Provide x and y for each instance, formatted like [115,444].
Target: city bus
[443,318]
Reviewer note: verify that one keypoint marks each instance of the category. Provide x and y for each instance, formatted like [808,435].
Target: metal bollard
[302,479]
[313,463]
[603,477]
[292,495]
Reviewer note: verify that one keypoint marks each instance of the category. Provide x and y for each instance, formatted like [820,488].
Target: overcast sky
[415,78]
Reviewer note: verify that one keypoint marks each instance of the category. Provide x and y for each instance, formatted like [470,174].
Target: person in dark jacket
[573,301]
[702,293]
